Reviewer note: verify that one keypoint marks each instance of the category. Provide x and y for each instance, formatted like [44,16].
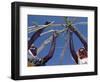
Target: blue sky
[60,42]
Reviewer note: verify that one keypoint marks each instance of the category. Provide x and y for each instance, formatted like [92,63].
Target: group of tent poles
[34,28]
[47,41]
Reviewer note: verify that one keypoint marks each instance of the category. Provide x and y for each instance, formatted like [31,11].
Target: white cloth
[82,61]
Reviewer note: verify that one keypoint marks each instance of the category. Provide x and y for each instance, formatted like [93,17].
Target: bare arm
[80,36]
[36,35]
[51,52]
[72,50]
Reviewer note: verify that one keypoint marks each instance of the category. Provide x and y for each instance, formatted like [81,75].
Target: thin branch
[47,41]
[58,31]
[80,23]
[47,32]
[40,27]
[43,26]
[64,49]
